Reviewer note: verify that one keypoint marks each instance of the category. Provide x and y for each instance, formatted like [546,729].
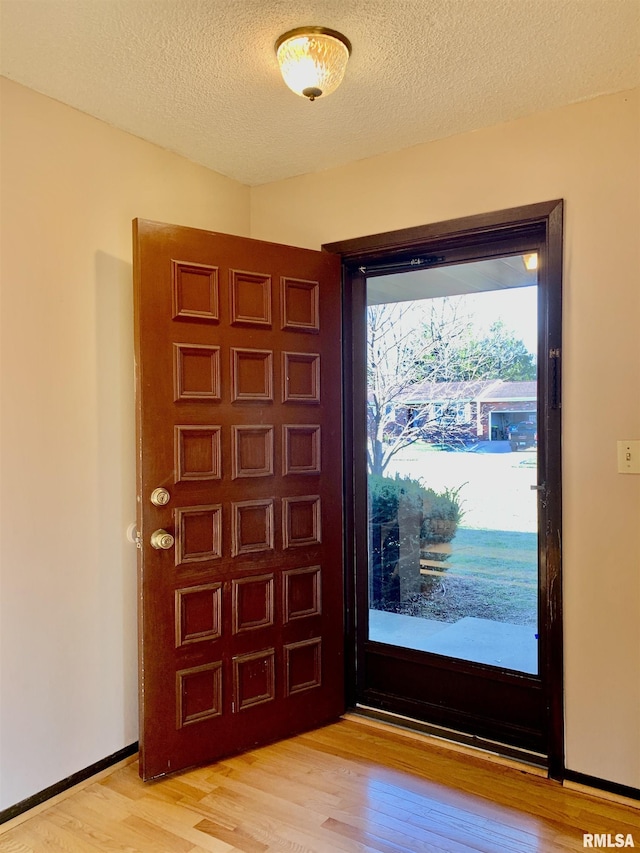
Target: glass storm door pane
[452,462]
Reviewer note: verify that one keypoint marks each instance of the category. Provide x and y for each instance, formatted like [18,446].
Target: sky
[516,307]
[486,291]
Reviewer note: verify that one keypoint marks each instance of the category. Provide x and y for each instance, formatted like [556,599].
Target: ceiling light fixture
[313,60]
[530,261]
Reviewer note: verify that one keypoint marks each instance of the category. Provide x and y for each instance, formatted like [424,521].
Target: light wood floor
[348,787]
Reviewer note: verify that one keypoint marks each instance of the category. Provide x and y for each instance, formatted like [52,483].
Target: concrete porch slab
[480,640]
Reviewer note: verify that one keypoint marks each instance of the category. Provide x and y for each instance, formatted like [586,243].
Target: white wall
[588,154]
[70,187]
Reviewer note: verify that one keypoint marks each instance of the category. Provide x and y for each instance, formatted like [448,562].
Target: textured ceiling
[199,77]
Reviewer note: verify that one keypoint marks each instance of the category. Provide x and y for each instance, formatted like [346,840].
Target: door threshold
[499,753]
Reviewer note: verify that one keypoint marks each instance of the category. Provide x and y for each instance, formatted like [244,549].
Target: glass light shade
[313,60]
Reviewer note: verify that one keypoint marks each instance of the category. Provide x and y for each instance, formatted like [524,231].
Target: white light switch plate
[629,457]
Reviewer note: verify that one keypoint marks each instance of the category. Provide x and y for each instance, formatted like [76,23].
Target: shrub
[405,516]
[442,514]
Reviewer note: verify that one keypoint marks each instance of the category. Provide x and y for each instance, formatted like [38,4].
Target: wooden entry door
[238,372]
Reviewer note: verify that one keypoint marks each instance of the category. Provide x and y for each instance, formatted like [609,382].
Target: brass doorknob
[161,540]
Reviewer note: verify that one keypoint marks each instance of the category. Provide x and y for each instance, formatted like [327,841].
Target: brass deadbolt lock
[160,497]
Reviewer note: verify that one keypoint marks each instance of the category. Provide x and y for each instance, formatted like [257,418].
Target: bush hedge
[405,517]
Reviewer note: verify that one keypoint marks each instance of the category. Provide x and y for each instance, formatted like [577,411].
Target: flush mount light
[313,60]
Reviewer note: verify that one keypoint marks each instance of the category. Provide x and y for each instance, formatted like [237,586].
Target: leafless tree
[431,341]
[401,338]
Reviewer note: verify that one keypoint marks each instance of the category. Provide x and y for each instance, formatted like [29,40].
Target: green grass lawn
[491,574]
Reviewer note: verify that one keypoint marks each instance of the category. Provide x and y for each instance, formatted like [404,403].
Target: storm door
[454,360]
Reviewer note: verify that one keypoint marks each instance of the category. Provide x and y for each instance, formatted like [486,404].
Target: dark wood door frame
[538,227]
